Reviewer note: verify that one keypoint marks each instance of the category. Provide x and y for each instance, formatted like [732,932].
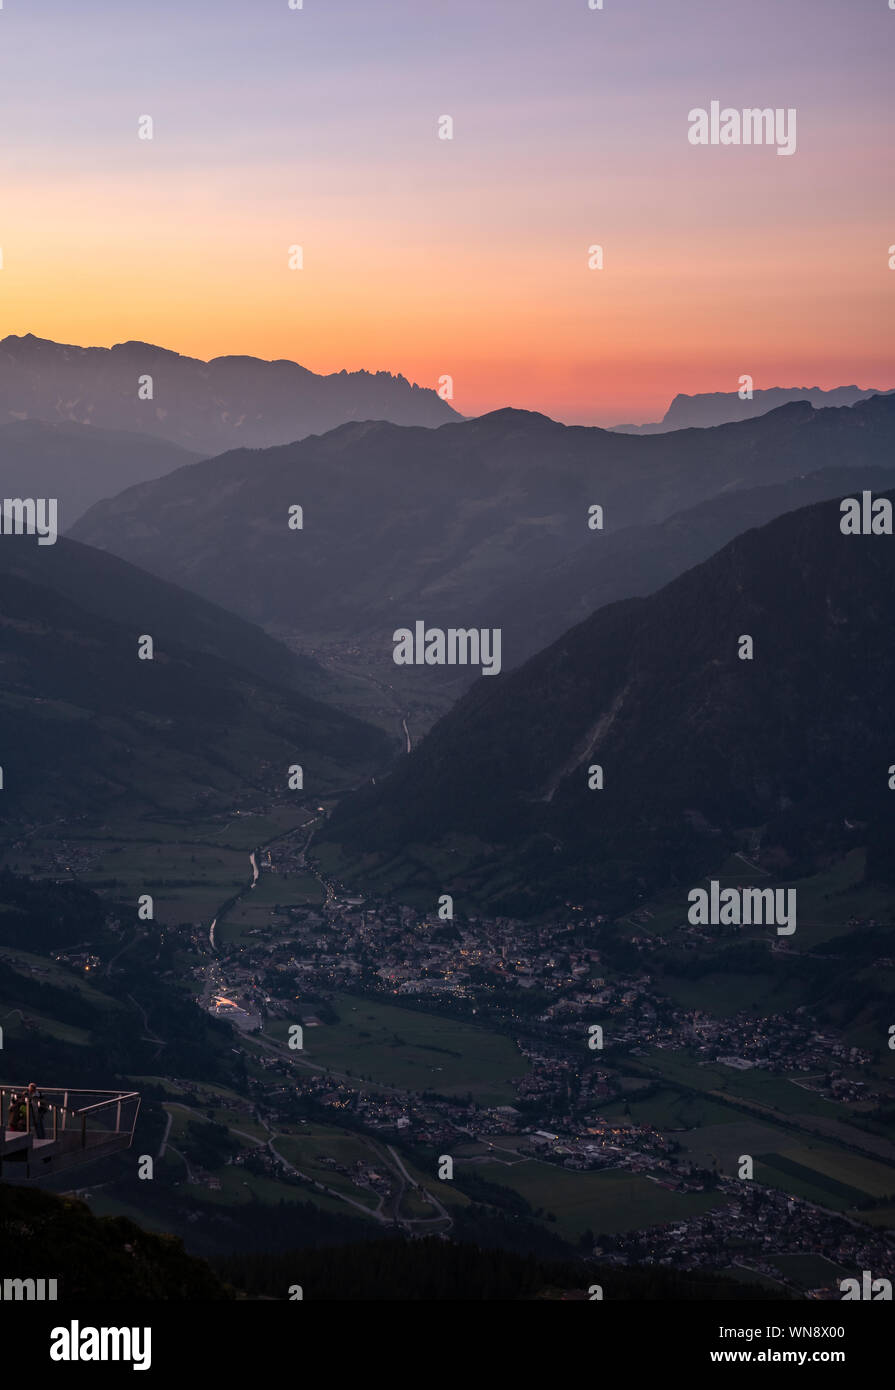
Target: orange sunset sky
[467,257]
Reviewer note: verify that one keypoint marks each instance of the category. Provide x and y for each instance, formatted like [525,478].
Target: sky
[465,258]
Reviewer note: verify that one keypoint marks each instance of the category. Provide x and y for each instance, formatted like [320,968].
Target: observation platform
[53,1129]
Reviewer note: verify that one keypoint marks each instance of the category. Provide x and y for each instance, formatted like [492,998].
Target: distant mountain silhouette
[457,525]
[722,407]
[203,406]
[78,464]
[698,748]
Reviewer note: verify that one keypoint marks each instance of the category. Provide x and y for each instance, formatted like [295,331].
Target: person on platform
[16,1116]
[36,1103]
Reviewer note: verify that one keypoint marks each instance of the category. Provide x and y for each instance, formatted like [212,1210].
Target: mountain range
[709,408]
[206,407]
[466,524]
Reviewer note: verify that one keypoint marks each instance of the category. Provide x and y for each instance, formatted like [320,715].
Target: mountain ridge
[704,409]
[79,464]
[206,406]
[401,522]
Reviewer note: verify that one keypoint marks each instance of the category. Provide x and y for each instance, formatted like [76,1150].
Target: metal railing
[54,1113]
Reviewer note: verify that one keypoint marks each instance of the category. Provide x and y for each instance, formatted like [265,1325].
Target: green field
[819,1173]
[239,1186]
[413,1051]
[775,1170]
[852,1170]
[190,865]
[256,907]
[239,1125]
[827,1176]
[61,976]
[776,1093]
[445,1191]
[245,830]
[609,1201]
[724,994]
[187,880]
[170,1087]
[58,973]
[725,1143]
[670,1110]
[868,1029]
[306,1148]
[14,1028]
[410,873]
[827,900]
[309,1144]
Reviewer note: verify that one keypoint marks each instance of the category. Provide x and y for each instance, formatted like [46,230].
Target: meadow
[610,1201]
[409,1049]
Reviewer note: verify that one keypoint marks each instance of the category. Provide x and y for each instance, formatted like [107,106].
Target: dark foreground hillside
[48,1237]
[433,1269]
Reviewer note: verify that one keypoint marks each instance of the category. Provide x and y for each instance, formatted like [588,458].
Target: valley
[424,1038]
[447,837]
[352,928]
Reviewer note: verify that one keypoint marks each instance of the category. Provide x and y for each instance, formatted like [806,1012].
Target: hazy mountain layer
[401,524]
[700,750]
[78,464]
[721,407]
[638,560]
[205,406]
